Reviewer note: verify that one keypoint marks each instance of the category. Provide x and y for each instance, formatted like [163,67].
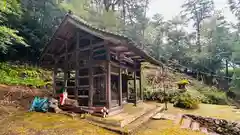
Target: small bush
[218,98]
[160,96]
[186,101]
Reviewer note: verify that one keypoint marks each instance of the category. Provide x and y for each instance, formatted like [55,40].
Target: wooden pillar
[54,79]
[140,82]
[135,88]
[108,78]
[77,68]
[108,84]
[65,66]
[90,72]
[120,82]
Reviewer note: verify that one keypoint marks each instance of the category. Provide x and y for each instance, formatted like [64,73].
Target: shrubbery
[213,96]
[178,97]
[160,95]
[186,101]
[23,75]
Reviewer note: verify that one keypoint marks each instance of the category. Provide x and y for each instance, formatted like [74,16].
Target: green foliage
[23,75]
[9,36]
[160,95]
[186,101]
[213,96]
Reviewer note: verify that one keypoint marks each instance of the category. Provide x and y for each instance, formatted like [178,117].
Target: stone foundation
[220,126]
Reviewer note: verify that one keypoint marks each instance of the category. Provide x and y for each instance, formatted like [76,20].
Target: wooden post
[120,81]
[77,67]
[135,88]
[108,78]
[90,72]
[65,67]
[140,82]
[54,80]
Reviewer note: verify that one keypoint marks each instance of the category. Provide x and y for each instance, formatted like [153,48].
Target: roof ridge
[89,24]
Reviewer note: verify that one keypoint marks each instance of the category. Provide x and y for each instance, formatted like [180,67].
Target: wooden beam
[122,66]
[135,57]
[46,47]
[61,47]
[87,48]
[90,71]
[129,53]
[61,38]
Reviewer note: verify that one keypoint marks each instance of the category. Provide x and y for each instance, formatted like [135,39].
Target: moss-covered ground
[56,124]
[164,127]
[25,75]
[208,110]
[48,124]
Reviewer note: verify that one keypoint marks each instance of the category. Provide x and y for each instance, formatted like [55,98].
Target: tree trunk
[226,68]
[198,38]
[227,74]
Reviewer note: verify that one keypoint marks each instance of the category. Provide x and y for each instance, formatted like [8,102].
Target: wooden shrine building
[97,68]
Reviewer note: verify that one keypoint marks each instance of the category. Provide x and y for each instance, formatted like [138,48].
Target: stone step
[141,120]
[158,116]
[203,130]
[186,123]
[178,119]
[169,117]
[211,133]
[163,116]
[195,126]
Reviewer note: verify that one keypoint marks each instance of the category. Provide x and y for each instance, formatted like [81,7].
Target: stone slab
[186,123]
[204,130]
[169,117]
[178,119]
[211,133]
[195,126]
[158,116]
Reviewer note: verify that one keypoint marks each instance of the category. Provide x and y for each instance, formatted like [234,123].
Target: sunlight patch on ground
[164,127]
[208,110]
[50,124]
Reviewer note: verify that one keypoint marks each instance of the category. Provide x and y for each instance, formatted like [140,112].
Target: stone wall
[220,126]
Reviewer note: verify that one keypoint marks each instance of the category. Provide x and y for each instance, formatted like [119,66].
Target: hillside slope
[12,74]
[156,78]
